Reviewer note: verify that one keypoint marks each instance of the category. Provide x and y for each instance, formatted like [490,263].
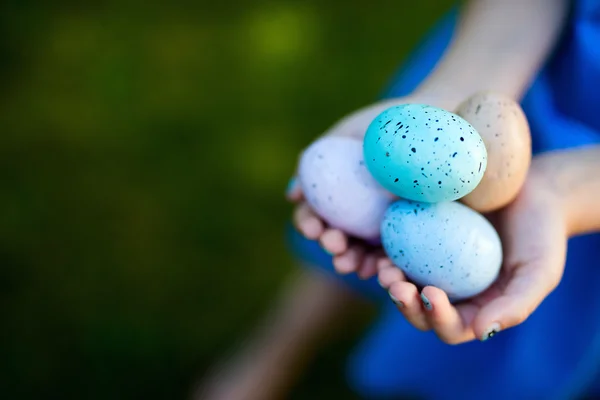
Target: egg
[339,188]
[446,245]
[424,153]
[504,129]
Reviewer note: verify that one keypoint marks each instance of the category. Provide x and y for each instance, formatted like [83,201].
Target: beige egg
[504,129]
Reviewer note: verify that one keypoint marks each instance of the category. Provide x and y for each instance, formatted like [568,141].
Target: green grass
[144,153]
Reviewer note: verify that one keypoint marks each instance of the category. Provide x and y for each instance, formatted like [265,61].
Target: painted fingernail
[396,301]
[490,332]
[425,301]
[291,186]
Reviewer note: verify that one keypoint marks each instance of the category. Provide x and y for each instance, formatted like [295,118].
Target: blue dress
[556,352]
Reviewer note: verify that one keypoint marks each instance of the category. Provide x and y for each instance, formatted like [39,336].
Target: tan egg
[504,129]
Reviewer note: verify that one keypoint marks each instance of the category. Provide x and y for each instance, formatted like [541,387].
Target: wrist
[542,179]
[572,178]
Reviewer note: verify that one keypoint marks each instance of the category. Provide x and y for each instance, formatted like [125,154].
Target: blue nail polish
[490,332]
[396,301]
[426,301]
[291,186]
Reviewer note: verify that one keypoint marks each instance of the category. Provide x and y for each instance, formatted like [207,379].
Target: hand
[533,230]
[349,254]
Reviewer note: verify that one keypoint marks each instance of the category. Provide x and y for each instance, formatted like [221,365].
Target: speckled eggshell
[504,129]
[446,245]
[423,153]
[337,185]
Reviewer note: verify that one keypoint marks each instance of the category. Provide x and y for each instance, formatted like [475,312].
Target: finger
[334,241]
[350,260]
[294,190]
[451,324]
[307,222]
[384,262]
[389,275]
[368,267]
[407,299]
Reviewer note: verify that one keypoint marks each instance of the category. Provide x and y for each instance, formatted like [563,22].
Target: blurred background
[144,154]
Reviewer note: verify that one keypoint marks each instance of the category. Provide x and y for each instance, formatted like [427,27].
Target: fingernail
[490,332]
[425,301]
[380,284]
[291,186]
[395,300]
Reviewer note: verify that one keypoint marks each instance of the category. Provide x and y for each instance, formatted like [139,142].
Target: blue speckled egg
[446,245]
[423,153]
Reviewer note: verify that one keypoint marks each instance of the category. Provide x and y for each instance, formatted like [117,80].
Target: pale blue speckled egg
[446,245]
[423,153]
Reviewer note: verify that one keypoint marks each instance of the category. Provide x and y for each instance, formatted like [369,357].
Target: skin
[498,47]
[556,202]
[495,49]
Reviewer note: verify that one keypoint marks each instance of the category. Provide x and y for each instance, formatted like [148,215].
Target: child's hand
[349,254]
[533,230]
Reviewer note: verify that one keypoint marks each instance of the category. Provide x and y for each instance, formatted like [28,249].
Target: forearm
[497,46]
[575,176]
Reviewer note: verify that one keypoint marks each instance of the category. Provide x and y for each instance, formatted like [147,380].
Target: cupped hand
[349,254]
[534,236]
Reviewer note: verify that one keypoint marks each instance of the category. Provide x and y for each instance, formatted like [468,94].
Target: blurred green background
[144,154]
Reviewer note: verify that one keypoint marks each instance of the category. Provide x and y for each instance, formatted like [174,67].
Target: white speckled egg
[504,129]
[446,245]
[338,186]
[424,153]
